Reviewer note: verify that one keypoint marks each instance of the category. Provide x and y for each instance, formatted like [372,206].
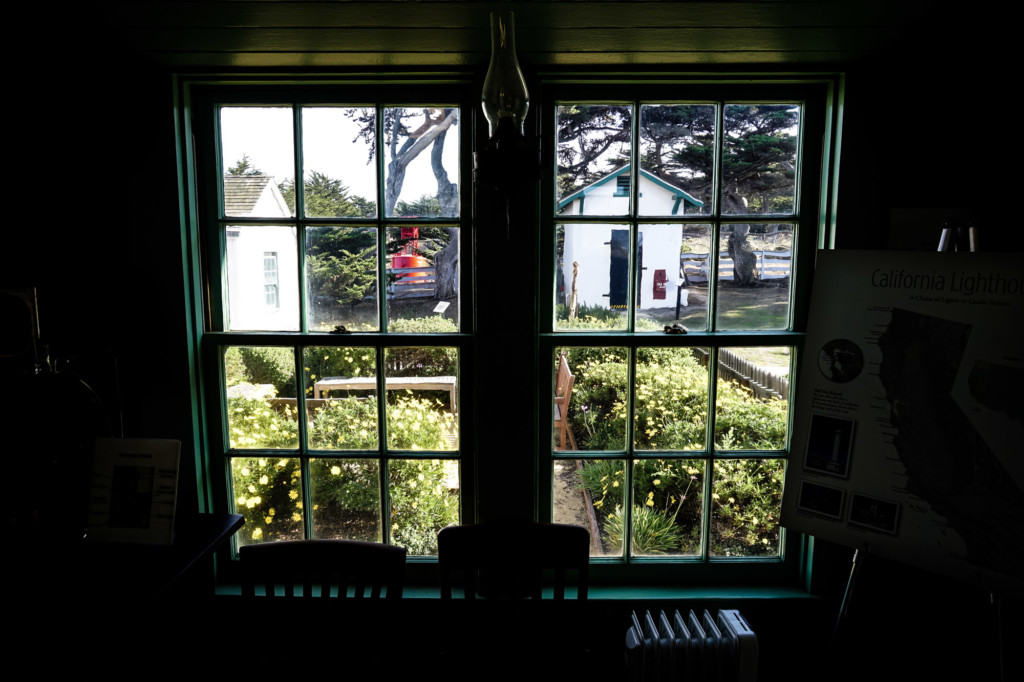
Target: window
[677,310]
[334,338]
[270,281]
[337,393]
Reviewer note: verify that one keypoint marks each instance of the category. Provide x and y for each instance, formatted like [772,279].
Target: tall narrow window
[335,320]
[672,326]
[270,280]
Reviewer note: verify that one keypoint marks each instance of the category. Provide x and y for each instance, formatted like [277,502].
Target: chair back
[323,569]
[512,560]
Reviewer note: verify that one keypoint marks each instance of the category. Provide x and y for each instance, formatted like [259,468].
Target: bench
[563,394]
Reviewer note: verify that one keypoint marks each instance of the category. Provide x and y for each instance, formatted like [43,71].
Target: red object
[660,283]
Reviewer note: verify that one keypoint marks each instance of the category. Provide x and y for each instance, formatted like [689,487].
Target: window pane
[424,499]
[341,398]
[596,414]
[261,398]
[671,399]
[667,507]
[672,278]
[759,158]
[754,268]
[587,492]
[593,282]
[341,278]
[423,280]
[262,278]
[338,160]
[422,399]
[677,146]
[745,506]
[593,151]
[346,499]
[268,494]
[421,164]
[753,398]
[692,298]
[258,161]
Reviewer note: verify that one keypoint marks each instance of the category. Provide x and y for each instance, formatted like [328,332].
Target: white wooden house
[262,260]
[602,250]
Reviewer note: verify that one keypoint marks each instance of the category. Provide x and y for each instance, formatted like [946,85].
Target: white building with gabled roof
[602,249]
[262,260]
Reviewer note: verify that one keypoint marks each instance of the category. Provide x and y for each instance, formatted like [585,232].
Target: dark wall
[97,231]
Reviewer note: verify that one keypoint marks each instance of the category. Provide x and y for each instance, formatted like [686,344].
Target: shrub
[269,365]
[653,531]
[435,324]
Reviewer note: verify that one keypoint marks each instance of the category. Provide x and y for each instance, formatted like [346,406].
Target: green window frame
[631,340]
[256,447]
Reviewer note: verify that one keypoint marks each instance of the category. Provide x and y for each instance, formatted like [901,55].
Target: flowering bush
[346,491]
[670,413]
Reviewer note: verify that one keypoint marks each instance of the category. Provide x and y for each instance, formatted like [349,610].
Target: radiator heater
[685,645]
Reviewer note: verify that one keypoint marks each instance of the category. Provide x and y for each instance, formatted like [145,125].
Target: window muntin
[679,453]
[356,466]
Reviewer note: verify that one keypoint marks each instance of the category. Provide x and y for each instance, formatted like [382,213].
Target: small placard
[441,307]
[134,489]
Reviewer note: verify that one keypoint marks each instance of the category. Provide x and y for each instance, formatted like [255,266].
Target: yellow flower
[245,471]
[296,517]
[268,520]
[615,484]
[272,511]
[264,480]
[293,494]
[335,470]
[252,488]
[263,462]
[257,534]
[657,481]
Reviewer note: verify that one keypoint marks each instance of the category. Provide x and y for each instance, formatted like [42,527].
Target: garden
[345,493]
[670,415]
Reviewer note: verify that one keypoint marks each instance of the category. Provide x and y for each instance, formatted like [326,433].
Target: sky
[330,145]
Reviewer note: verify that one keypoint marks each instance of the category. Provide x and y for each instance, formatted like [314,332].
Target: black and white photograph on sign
[880,515]
[829,445]
[131,496]
[925,440]
[840,360]
[821,499]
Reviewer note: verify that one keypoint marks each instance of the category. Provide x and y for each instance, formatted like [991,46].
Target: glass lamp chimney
[505,95]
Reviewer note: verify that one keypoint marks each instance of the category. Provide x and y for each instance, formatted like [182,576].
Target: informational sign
[134,490]
[909,424]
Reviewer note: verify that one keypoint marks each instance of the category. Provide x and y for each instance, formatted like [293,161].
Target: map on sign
[909,425]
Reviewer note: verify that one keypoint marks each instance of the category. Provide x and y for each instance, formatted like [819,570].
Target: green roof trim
[679,192]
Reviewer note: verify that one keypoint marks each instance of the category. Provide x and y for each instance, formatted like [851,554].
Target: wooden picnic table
[444,383]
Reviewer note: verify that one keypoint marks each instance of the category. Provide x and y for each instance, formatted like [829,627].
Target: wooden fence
[415,282]
[763,382]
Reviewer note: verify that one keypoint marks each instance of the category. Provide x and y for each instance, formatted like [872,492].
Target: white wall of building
[247,305]
[588,245]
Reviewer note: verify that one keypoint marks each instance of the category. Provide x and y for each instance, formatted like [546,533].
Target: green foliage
[745,507]
[425,207]
[336,361]
[589,317]
[244,166]
[269,365]
[268,494]
[744,423]
[345,277]
[327,197]
[434,324]
[346,498]
[653,532]
[254,424]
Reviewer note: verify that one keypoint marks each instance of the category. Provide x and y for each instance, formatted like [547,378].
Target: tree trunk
[744,261]
[446,261]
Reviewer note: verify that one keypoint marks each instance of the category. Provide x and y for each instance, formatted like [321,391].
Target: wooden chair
[323,570]
[564,380]
[508,560]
